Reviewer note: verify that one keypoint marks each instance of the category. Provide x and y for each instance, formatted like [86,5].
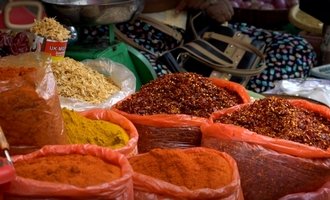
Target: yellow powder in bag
[82,130]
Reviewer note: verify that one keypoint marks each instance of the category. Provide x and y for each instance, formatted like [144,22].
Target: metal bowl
[92,12]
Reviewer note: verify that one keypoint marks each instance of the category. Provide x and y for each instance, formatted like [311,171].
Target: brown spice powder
[179,93]
[276,117]
[193,169]
[74,169]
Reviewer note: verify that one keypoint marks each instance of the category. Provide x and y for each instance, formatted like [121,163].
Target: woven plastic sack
[149,188]
[174,131]
[30,114]
[270,168]
[120,189]
[130,148]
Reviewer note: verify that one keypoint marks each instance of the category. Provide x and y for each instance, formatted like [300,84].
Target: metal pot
[92,12]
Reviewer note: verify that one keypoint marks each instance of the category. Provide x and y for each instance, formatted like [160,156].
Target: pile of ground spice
[179,93]
[276,117]
[74,169]
[192,169]
[82,130]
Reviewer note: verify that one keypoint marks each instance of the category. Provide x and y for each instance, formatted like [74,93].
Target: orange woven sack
[174,131]
[270,168]
[119,189]
[150,188]
[107,115]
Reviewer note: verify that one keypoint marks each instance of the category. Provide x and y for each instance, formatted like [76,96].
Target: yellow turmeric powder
[81,130]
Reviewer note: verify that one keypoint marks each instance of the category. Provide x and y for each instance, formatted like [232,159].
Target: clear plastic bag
[118,73]
[312,88]
[30,114]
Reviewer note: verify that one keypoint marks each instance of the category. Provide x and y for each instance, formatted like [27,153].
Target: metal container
[92,12]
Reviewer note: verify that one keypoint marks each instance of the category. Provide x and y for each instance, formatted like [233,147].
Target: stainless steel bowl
[92,12]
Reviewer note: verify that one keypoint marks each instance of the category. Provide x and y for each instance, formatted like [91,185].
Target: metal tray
[92,12]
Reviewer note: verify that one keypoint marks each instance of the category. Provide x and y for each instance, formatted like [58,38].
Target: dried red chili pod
[20,44]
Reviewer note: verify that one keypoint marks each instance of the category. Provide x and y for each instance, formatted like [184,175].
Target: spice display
[30,110]
[74,169]
[76,80]
[278,118]
[81,130]
[179,93]
[192,169]
[50,29]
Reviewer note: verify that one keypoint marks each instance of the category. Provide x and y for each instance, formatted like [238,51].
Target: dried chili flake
[179,93]
[276,117]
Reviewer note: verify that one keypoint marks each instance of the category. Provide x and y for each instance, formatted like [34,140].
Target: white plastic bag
[118,73]
[312,88]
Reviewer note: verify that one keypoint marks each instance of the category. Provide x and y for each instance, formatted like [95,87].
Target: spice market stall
[180,136]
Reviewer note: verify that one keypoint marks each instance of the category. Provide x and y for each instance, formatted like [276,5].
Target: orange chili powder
[30,109]
[193,169]
[74,169]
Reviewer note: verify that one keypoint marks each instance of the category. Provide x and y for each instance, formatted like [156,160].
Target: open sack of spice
[169,111]
[93,83]
[193,173]
[281,146]
[71,172]
[30,108]
[101,127]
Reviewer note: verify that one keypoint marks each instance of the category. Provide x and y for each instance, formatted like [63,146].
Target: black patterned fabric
[287,56]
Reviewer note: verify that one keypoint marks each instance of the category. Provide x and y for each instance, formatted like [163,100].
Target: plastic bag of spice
[181,103]
[194,173]
[269,167]
[28,188]
[122,79]
[130,148]
[30,109]
[322,193]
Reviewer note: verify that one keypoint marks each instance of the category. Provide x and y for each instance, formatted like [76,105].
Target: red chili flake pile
[179,93]
[276,117]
